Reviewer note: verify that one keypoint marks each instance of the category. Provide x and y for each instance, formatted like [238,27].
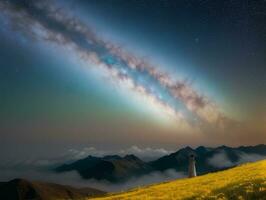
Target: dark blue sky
[219,43]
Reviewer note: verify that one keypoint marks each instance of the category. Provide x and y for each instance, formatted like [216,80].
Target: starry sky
[114,73]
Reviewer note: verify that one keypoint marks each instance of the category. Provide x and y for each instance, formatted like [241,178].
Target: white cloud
[220,160]
[244,157]
[146,153]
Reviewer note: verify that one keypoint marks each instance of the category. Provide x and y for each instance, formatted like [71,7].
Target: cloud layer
[74,179]
[221,159]
[40,168]
[146,154]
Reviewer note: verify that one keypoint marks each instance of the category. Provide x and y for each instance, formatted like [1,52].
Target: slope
[247,181]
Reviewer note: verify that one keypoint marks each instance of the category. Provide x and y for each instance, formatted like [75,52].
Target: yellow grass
[247,181]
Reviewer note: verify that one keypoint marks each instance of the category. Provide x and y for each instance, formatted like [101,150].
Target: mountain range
[115,168]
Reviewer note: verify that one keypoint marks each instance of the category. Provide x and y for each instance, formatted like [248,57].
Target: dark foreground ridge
[21,189]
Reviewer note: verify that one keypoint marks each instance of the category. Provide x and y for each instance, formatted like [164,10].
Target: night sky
[111,74]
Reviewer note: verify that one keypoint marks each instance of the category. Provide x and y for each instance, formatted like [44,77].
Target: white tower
[192,168]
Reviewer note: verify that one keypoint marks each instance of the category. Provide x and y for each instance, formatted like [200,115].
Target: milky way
[46,21]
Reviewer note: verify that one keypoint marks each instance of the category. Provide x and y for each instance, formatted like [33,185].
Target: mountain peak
[131,157]
[112,157]
[223,147]
[187,149]
[89,157]
[201,149]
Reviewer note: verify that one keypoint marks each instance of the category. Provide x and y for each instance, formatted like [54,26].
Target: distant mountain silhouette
[115,168]
[112,168]
[179,159]
[20,189]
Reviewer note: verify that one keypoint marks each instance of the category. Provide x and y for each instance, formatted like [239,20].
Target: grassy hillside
[245,182]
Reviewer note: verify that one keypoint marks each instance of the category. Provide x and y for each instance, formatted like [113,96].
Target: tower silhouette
[192,168]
